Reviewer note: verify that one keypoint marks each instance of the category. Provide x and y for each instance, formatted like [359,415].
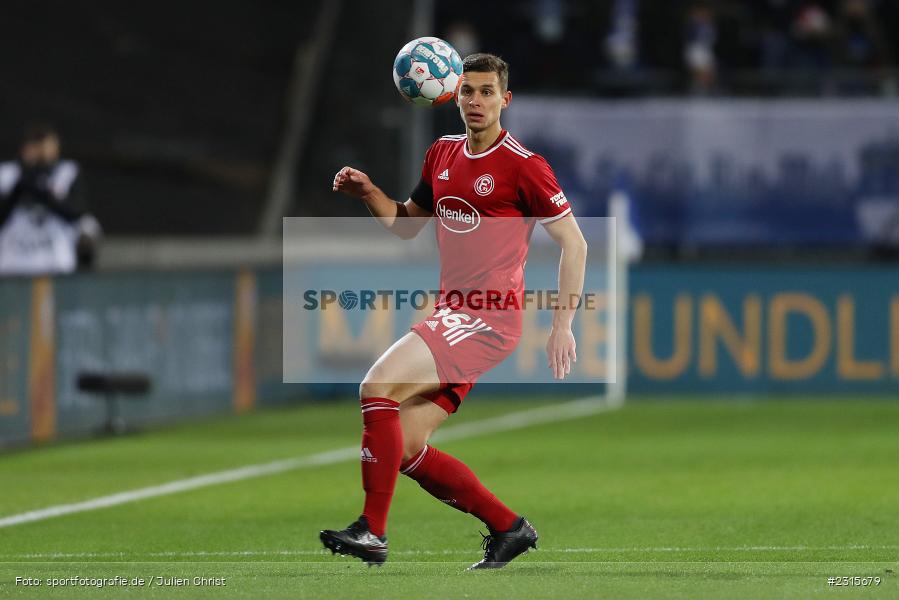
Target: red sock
[382,453]
[450,481]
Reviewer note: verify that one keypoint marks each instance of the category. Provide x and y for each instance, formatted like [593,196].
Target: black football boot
[500,548]
[356,540]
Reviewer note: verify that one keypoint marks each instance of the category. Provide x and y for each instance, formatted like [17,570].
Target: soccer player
[486,190]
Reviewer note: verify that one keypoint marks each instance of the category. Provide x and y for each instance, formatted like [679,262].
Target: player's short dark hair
[37,132]
[488,63]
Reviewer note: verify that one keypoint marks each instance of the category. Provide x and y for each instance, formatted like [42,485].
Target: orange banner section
[41,374]
[244,341]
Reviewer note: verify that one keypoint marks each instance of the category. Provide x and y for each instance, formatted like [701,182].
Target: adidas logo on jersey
[432,325]
[367,456]
[444,176]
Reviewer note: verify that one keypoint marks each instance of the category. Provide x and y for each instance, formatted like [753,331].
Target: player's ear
[507,99]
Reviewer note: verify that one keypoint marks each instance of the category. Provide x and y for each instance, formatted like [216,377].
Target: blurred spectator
[775,18]
[699,48]
[739,47]
[463,37]
[549,20]
[621,42]
[860,40]
[812,31]
[44,227]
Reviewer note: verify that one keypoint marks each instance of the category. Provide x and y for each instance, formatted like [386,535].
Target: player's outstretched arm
[404,220]
[560,348]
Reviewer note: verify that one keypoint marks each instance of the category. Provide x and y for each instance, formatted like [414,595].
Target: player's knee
[377,385]
[370,390]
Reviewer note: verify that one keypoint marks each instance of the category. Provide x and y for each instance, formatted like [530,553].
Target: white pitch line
[664,549]
[518,420]
[730,549]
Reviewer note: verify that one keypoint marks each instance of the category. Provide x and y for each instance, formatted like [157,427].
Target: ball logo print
[484,184]
[457,215]
[348,300]
[426,71]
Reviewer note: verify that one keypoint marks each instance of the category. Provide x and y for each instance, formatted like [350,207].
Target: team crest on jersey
[484,184]
[432,325]
[457,215]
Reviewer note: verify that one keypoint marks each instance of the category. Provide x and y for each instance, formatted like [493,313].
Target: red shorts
[464,347]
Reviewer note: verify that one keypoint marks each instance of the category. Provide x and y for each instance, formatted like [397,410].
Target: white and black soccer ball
[426,71]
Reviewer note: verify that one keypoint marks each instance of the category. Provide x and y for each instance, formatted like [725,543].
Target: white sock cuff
[416,462]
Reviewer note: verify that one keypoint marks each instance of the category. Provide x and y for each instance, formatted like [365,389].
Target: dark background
[176,111]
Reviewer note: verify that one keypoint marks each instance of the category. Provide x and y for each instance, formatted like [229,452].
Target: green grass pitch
[663,498]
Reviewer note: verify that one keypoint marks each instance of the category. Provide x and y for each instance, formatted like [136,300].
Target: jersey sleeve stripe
[548,220]
[519,148]
[518,145]
[518,152]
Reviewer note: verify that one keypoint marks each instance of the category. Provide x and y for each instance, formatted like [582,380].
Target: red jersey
[485,206]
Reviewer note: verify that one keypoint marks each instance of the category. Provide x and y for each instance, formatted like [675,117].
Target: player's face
[481,100]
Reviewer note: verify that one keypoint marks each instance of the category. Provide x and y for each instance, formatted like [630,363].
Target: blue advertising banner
[760,329]
[212,341]
[708,172]
[727,328]
[176,328]
[15,304]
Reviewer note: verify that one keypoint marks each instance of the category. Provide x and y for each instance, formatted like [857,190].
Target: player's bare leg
[404,371]
[419,418]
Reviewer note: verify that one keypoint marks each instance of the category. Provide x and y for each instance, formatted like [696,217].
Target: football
[426,71]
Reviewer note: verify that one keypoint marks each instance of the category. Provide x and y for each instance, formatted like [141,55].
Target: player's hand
[560,352]
[352,182]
